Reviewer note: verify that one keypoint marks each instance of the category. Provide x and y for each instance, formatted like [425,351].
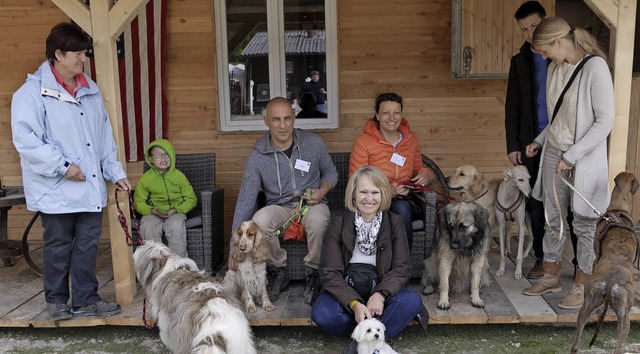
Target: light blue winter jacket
[50,128]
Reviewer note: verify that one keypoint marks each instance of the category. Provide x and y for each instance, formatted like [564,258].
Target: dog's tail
[605,307]
[223,329]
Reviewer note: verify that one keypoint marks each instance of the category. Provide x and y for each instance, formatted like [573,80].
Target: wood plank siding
[401,46]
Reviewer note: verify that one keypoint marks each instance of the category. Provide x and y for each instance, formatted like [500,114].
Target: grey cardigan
[595,114]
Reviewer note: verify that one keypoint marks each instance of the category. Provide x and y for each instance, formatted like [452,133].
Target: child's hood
[167,147]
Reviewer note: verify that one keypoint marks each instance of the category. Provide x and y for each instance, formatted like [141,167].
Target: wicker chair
[423,231]
[205,240]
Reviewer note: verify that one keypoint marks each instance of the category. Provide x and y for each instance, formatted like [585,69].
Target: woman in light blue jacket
[63,134]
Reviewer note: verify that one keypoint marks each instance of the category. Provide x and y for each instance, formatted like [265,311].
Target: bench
[423,230]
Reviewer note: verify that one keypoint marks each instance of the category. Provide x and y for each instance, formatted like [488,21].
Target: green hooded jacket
[165,191]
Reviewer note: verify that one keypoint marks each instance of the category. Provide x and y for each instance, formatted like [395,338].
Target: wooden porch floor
[22,302]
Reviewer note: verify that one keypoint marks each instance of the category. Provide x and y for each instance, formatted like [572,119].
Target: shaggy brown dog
[612,281]
[459,256]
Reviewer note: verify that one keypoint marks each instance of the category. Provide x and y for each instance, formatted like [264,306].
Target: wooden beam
[78,11]
[622,72]
[122,14]
[104,46]
[607,11]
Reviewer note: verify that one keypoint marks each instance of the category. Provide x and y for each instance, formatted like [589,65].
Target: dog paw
[500,273]
[444,305]
[478,304]
[518,275]
[428,290]
[268,307]
[251,308]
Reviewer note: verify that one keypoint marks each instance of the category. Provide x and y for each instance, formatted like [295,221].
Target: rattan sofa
[423,232]
[205,239]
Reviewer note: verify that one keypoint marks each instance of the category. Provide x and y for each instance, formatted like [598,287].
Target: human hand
[400,189]
[421,178]
[123,184]
[376,304]
[532,149]
[515,158]
[171,212]
[233,265]
[323,91]
[74,173]
[313,196]
[361,312]
[563,167]
[157,212]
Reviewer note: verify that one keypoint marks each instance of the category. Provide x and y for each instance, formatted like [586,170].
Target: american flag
[141,68]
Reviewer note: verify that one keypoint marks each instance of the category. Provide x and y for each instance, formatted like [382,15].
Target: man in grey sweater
[285,163]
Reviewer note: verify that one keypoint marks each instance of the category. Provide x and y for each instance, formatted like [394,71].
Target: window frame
[277,67]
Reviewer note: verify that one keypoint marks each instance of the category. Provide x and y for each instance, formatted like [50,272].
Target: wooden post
[104,24]
[622,72]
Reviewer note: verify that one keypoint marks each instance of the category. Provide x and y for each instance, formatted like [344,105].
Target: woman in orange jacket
[389,144]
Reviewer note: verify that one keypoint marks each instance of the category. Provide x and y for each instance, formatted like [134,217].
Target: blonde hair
[379,180]
[551,28]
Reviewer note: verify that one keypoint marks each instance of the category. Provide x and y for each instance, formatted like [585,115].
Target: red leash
[420,188]
[123,221]
[131,242]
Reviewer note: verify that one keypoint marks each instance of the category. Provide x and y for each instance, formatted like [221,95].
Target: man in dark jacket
[526,114]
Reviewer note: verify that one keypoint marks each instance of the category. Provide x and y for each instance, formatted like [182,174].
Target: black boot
[311,286]
[277,280]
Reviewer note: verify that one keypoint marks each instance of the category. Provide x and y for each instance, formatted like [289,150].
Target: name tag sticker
[398,159]
[302,165]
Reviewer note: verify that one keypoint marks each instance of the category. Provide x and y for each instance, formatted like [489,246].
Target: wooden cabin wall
[401,46]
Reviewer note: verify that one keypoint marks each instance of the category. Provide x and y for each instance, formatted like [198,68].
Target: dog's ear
[358,332]
[506,174]
[481,218]
[443,223]
[260,247]
[634,185]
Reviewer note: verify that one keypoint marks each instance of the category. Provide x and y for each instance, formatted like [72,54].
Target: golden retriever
[471,186]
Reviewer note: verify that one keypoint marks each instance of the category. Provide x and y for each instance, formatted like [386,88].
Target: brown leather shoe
[537,271]
[549,283]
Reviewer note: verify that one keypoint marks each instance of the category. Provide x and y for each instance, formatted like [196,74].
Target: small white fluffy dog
[192,310]
[370,337]
[511,201]
[250,250]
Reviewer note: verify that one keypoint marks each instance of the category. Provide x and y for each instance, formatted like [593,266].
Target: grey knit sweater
[271,171]
[595,112]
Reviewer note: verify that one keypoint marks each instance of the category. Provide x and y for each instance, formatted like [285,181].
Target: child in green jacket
[164,196]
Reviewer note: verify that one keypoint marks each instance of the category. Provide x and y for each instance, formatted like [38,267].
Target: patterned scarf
[366,241]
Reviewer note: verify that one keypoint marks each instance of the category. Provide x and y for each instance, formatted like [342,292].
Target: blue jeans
[334,319]
[70,246]
[404,209]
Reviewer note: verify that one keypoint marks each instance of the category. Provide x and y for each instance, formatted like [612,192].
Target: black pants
[71,246]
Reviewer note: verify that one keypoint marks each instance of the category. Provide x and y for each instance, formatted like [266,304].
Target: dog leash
[123,221]
[418,188]
[131,242]
[301,210]
[557,201]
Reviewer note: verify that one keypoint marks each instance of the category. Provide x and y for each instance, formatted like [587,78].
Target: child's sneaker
[58,312]
[99,309]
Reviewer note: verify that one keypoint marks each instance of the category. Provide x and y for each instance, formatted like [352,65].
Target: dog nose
[377,336]
[454,245]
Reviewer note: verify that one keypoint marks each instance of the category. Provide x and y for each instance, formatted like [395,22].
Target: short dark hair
[388,97]
[68,37]
[529,8]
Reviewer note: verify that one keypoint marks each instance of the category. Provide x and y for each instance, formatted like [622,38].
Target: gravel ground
[274,340]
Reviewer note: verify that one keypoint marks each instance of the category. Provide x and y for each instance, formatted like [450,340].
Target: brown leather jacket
[392,256]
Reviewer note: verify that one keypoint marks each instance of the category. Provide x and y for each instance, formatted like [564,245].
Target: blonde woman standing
[574,146]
